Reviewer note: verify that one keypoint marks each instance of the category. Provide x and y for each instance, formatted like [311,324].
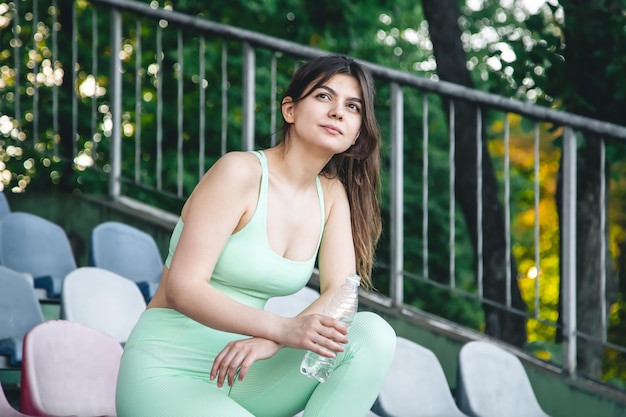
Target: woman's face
[330,116]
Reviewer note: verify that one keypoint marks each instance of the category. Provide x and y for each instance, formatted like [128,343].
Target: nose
[336,111]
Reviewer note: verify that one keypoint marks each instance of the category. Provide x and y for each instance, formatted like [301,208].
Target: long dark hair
[358,168]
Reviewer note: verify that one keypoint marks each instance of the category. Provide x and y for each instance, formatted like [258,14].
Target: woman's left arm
[336,257]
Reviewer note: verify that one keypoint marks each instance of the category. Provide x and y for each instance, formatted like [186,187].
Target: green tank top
[248,270]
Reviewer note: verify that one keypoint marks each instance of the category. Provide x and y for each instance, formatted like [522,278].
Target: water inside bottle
[316,366]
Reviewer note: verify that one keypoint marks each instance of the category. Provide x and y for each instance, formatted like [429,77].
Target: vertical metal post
[397,195]
[180,111]
[74,139]
[36,69]
[17,59]
[247,134]
[425,186]
[536,233]
[159,106]
[568,267]
[202,106]
[479,201]
[55,87]
[116,105]
[273,98]
[224,67]
[603,236]
[138,100]
[94,71]
[451,190]
[507,207]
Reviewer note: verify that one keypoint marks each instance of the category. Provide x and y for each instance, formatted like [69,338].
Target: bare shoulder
[237,166]
[231,179]
[334,192]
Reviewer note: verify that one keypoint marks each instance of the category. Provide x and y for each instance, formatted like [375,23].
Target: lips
[332,129]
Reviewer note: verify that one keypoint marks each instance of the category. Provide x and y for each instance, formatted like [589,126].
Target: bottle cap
[354,278]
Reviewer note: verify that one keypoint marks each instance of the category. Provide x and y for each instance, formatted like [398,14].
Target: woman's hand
[315,332]
[318,333]
[240,355]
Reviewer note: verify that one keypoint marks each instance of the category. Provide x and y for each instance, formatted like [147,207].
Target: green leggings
[165,373]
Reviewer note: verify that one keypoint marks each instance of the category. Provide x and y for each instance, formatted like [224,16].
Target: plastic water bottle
[341,306]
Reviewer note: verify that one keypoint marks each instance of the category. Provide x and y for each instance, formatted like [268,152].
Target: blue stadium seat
[36,246]
[5,208]
[129,252]
[293,304]
[416,385]
[492,382]
[102,300]
[19,312]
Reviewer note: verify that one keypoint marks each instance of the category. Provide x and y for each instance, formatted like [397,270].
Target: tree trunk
[445,34]
[588,29]
[589,313]
[588,262]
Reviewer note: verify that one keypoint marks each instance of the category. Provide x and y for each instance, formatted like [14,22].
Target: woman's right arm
[221,202]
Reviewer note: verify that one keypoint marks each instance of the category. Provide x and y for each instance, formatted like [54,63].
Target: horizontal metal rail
[400,77]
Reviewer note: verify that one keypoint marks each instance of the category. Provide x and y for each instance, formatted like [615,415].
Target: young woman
[253,228]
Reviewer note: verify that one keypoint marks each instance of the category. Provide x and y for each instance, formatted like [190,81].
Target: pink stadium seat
[69,369]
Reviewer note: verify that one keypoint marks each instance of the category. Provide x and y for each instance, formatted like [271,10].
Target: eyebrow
[333,92]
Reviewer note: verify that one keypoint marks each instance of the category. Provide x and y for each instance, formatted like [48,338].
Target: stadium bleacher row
[69,365]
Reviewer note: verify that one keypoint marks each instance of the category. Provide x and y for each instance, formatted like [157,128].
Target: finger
[225,365]
[336,338]
[338,325]
[321,350]
[334,329]
[341,327]
[328,345]
[222,374]
[218,362]
[333,338]
[233,368]
[225,373]
[245,365]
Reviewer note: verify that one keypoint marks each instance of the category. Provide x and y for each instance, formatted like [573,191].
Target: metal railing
[139,108]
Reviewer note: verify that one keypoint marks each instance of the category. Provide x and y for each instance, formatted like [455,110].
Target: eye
[354,107]
[323,96]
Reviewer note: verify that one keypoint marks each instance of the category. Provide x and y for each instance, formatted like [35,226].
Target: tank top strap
[262,203]
[320,196]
